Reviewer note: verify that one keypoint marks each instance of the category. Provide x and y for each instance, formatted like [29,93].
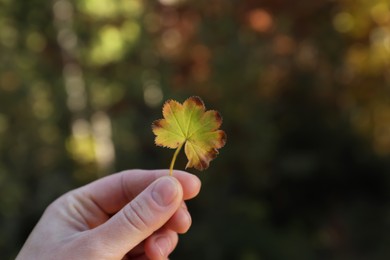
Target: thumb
[146,213]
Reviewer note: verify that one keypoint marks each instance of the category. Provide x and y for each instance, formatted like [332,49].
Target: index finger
[113,192]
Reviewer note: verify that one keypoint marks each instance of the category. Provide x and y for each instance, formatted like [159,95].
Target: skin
[135,214]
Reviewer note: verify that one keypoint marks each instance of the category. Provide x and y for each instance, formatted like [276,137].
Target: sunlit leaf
[189,124]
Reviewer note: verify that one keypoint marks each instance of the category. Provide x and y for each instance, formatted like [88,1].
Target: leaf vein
[177,121]
[189,123]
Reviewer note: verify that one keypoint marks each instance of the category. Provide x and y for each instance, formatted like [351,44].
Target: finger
[145,214]
[137,251]
[150,249]
[111,193]
[140,257]
[161,244]
[181,221]
[137,257]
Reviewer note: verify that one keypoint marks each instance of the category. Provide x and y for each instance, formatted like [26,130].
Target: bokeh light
[303,88]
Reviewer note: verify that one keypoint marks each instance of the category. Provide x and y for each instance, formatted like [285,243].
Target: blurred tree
[303,88]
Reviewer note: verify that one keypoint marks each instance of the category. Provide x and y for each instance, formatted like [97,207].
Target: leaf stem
[174,158]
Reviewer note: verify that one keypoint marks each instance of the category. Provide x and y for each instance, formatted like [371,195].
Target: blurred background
[304,89]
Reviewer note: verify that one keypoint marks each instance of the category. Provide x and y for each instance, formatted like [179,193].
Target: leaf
[189,124]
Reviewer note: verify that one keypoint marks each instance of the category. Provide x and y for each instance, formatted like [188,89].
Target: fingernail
[163,245]
[164,191]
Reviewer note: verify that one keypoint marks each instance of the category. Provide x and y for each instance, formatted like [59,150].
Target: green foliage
[303,89]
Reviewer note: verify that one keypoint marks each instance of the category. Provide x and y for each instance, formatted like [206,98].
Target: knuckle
[136,214]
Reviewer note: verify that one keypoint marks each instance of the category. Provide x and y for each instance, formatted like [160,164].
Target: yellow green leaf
[189,124]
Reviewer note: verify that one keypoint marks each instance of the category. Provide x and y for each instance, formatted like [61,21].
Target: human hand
[135,214]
